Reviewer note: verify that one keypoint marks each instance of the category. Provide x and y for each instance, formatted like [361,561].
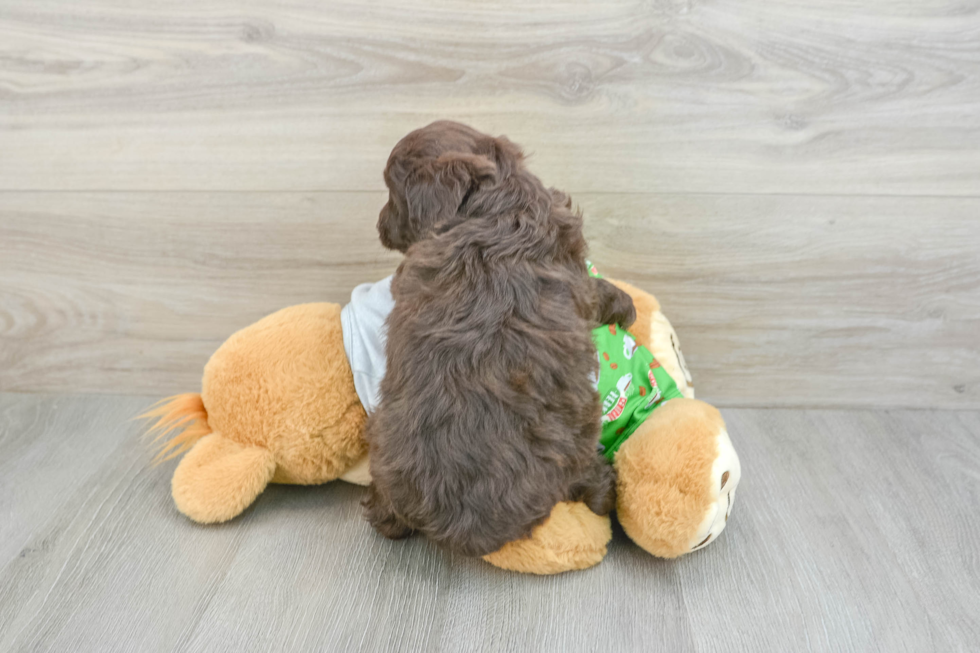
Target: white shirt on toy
[365,333]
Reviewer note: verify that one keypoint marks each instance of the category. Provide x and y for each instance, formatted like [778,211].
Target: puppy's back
[487,414]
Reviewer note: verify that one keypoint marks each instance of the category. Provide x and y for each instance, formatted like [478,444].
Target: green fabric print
[631,383]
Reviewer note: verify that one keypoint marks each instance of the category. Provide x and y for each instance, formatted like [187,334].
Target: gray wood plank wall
[799,183]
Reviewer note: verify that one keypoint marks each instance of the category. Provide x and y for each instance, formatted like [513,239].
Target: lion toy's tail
[183,415]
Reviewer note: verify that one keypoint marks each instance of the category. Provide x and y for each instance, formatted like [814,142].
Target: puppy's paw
[598,489]
[615,306]
[382,517]
[625,316]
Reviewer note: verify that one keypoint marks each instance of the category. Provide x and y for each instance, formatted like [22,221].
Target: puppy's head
[431,175]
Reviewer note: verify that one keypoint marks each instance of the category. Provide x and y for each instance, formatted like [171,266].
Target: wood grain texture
[778,301]
[853,531]
[808,300]
[739,96]
[133,292]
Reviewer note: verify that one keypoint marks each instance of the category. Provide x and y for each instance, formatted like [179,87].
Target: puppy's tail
[184,416]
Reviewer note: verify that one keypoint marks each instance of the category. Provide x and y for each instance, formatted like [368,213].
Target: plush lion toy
[278,405]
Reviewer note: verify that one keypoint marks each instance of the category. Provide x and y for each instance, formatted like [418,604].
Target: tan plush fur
[646,305]
[665,484]
[653,331]
[278,405]
[284,383]
[665,347]
[574,537]
[278,399]
[219,478]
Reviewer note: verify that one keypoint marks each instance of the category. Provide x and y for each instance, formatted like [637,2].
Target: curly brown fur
[488,416]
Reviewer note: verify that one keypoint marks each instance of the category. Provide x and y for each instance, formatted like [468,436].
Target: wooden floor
[853,531]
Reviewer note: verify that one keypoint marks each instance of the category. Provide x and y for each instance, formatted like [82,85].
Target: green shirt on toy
[631,384]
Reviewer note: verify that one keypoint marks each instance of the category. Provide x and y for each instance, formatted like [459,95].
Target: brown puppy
[488,415]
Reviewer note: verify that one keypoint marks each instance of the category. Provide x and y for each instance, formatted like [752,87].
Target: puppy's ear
[436,191]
